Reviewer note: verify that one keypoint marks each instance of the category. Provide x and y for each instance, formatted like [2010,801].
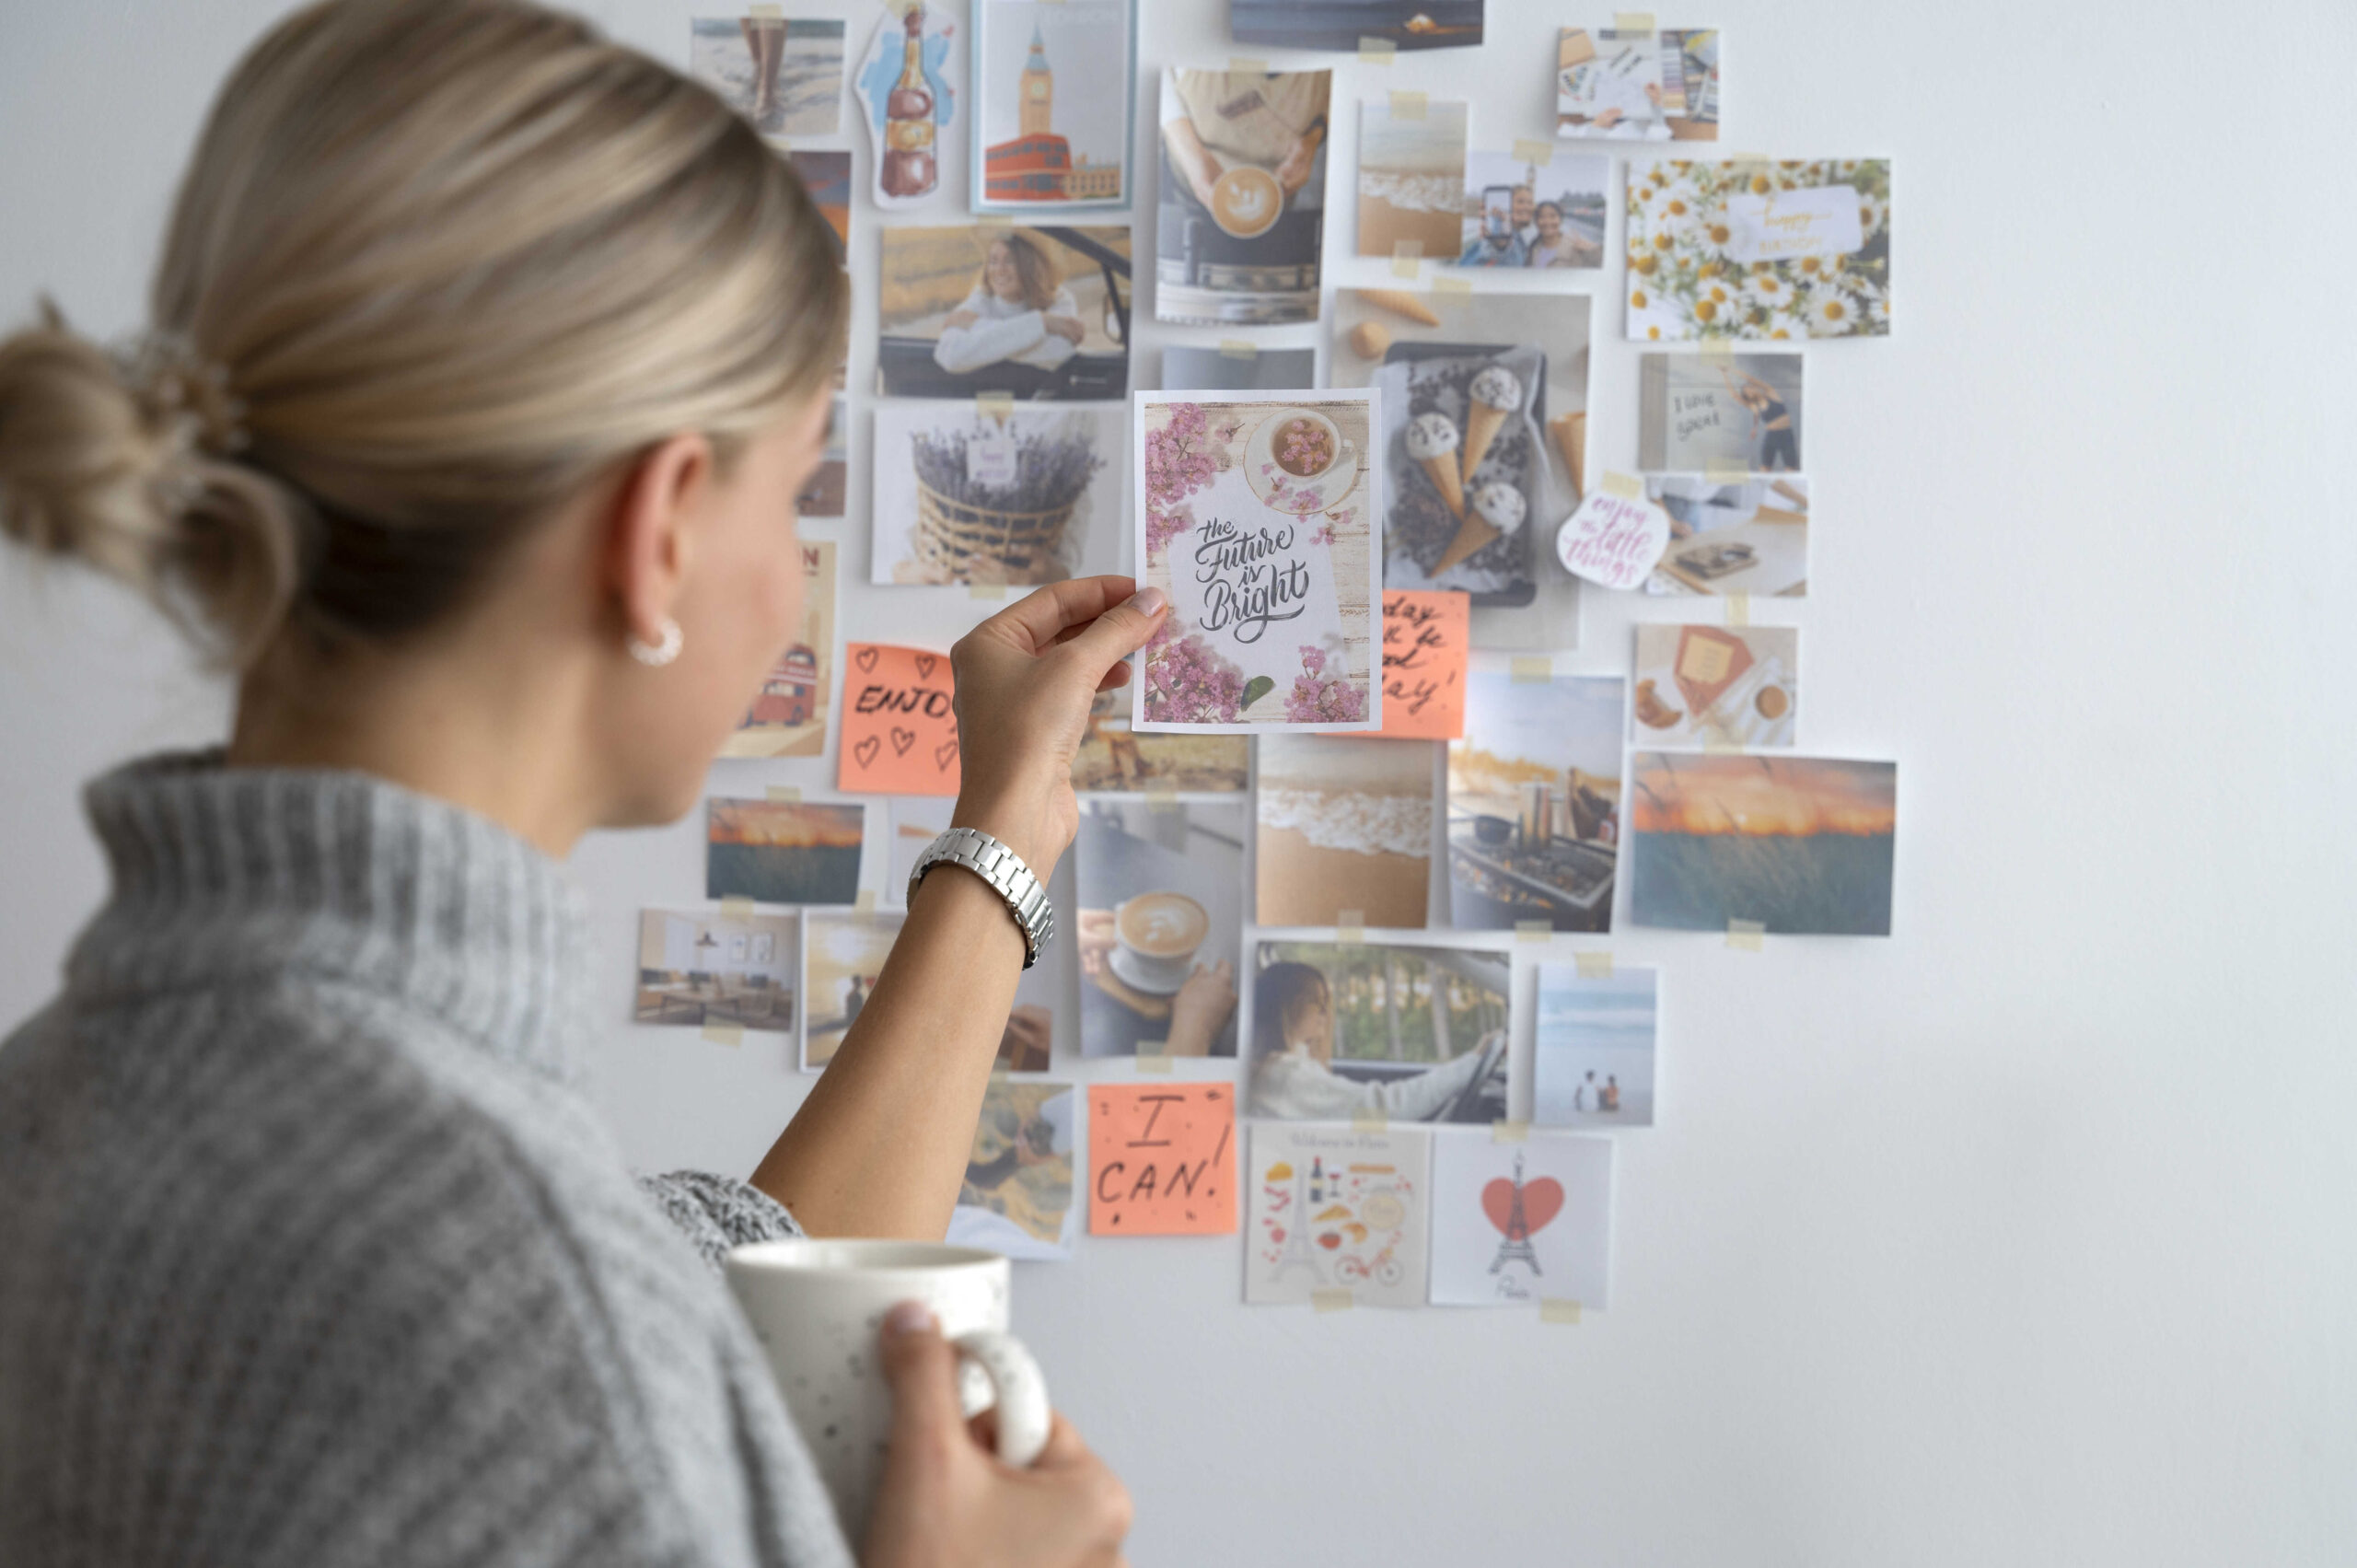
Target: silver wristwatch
[1003,870]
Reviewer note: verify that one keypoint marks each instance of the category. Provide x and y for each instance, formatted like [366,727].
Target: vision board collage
[1346,840]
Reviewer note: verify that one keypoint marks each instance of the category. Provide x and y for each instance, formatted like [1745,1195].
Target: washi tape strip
[986,590]
[1746,934]
[1350,926]
[1154,1060]
[994,405]
[736,907]
[1407,103]
[865,903]
[1509,1132]
[992,220]
[1559,1310]
[1716,348]
[1594,966]
[1633,21]
[1625,485]
[1366,1121]
[1449,282]
[1377,51]
[1163,799]
[785,794]
[1530,149]
[1244,66]
[1533,669]
[1738,607]
[1719,745]
[766,13]
[725,1034]
[1533,930]
[1727,470]
[1239,348]
[1334,1299]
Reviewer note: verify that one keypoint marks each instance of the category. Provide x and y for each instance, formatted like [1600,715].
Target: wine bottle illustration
[909,168]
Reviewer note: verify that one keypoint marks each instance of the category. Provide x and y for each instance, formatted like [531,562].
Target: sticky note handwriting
[1161,1159]
[899,721]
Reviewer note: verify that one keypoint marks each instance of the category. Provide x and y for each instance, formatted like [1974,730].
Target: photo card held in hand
[899,729]
[1019,1196]
[1160,887]
[1257,514]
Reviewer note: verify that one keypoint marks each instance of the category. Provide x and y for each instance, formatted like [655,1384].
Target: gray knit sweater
[312,1252]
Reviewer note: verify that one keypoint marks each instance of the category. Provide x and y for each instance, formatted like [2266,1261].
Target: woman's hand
[1025,680]
[1067,328]
[946,1502]
[1094,931]
[1199,1010]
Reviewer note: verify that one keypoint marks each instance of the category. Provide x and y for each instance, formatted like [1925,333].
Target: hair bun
[117,459]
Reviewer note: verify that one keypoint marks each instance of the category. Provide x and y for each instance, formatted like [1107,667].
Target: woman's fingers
[1041,619]
[1119,631]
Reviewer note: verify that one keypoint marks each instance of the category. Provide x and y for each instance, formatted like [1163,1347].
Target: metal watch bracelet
[1004,869]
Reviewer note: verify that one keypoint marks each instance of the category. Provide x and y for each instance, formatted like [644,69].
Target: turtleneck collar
[222,872]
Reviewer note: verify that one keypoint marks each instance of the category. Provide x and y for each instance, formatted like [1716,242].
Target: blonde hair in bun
[436,268]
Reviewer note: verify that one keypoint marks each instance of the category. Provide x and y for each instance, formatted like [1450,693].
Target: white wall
[2025,1235]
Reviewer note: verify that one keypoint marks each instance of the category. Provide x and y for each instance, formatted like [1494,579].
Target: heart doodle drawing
[866,751]
[901,740]
[944,754]
[925,665]
[866,658]
[1542,1201]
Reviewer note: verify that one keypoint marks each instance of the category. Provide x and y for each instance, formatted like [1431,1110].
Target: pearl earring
[662,652]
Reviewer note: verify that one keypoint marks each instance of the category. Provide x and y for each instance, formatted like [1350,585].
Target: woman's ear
[651,529]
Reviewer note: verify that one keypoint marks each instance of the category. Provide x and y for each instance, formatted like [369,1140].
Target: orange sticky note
[900,736]
[1161,1159]
[1424,639]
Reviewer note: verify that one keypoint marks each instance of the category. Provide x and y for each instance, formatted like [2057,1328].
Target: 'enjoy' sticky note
[900,736]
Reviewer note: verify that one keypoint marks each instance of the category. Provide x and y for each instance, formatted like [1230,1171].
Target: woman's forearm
[880,1144]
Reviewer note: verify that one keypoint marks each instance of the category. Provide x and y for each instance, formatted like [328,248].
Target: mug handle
[994,1370]
[1346,452]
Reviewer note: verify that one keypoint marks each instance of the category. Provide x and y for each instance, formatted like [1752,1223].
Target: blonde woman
[488,358]
[1017,309]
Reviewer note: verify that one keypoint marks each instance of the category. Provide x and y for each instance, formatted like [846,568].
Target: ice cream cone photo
[1496,393]
[1432,442]
[1497,511]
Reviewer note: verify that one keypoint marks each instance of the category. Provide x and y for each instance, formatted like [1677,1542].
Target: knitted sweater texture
[312,1249]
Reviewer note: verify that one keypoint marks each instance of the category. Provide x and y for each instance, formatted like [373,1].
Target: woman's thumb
[922,1368]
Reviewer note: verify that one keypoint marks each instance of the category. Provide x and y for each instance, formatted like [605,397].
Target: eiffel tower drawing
[1296,1253]
[1516,1243]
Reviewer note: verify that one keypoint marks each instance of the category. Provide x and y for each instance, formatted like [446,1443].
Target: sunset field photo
[1802,845]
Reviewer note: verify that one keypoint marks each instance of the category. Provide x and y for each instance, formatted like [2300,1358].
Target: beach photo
[784,73]
[776,852]
[1745,537]
[1158,887]
[1342,23]
[1413,1033]
[788,718]
[702,969]
[1593,1050]
[1474,479]
[1018,1195]
[1798,844]
[1728,415]
[842,952]
[1240,201]
[1735,688]
[1517,1224]
[1022,495]
[1516,213]
[1758,250]
[1040,314]
[1412,178]
[1336,1209]
[1114,758]
[1533,802]
[1345,829]
[1051,86]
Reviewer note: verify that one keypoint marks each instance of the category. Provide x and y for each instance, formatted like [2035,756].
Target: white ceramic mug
[819,1307]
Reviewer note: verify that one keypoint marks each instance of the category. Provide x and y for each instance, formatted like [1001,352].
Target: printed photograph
[1485,430]
[1759,250]
[785,74]
[776,852]
[1345,824]
[1594,1050]
[1613,83]
[1518,214]
[1240,205]
[1336,1209]
[907,83]
[1720,687]
[1159,924]
[1255,369]
[1533,802]
[1517,1224]
[823,496]
[1018,1197]
[1746,538]
[1800,845]
[842,952]
[789,717]
[1417,1034]
[1114,758]
[1412,178]
[1255,514]
[1052,80]
[1689,83]
[1731,414]
[1025,495]
[1041,314]
[1342,23]
[827,175]
[698,968]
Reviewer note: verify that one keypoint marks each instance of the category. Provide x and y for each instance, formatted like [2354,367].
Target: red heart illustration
[866,751]
[1542,1201]
[924,667]
[944,754]
[866,658]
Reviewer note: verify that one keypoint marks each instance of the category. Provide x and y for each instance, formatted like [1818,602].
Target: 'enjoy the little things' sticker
[1613,541]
